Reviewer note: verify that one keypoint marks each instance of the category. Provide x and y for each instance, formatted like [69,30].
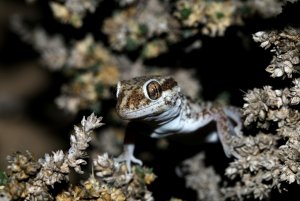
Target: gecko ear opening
[153,90]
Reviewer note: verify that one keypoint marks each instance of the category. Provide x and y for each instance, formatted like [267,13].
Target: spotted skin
[171,113]
[132,101]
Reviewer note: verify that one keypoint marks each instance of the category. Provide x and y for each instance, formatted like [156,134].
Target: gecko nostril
[117,89]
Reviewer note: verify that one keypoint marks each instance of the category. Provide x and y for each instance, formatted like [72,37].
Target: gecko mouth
[139,113]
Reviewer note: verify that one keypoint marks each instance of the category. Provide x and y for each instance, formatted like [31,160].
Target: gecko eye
[153,90]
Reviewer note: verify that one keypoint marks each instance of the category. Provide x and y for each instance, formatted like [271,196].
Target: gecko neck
[185,116]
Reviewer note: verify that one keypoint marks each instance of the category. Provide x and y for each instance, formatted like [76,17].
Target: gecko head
[146,96]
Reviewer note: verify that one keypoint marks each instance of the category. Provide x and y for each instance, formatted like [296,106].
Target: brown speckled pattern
[131,96]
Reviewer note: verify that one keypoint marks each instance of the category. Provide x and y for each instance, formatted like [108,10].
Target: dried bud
[295,100]
[295,60]
[265,44]
[277,72]
[262,115]
[259,36]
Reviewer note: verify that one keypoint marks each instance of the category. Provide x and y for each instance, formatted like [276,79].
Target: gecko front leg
[225,129]
[127,155]
[235,114]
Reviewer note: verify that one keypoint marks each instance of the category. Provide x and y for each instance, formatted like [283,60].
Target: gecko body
[159,102]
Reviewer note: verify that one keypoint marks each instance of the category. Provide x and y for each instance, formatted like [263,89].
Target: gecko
[159,102]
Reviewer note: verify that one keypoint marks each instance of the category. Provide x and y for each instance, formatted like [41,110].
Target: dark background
[29,119]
